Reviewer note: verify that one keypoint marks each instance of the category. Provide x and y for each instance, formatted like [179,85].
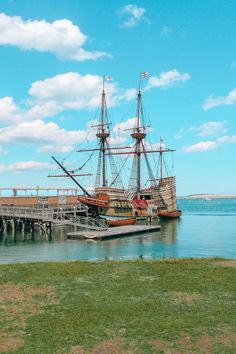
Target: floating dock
[112,232]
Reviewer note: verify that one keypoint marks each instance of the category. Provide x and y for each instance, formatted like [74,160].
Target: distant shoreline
[207,196]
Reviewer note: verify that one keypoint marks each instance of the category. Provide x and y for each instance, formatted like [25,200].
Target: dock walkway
[118,231]
[44,217]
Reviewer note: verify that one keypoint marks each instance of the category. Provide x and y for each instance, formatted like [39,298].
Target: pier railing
[59,215]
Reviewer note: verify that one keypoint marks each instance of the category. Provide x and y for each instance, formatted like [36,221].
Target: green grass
[169,306]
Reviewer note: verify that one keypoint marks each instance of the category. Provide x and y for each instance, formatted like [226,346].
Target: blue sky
[54,54]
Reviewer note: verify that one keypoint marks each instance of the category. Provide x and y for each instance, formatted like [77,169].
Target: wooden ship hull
[115,202]
[165,214]
[121,222]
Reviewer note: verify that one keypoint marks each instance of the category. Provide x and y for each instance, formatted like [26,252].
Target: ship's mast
[161,160]
[138,135]
[102,134]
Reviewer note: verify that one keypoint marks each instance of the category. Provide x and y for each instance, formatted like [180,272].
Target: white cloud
[49,136]
[25,166]
[131,15]
[167,79]
[8,109]
[121,128]
[121,131]
[53,95]
[201,146]
[117,139]
[212,102]
[56,148]
[128,94]
[11,113]
[210,145]
[61,37]
[227,139]
[73,91]
[210,129]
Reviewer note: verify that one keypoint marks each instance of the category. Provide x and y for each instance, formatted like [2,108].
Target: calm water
[207,228]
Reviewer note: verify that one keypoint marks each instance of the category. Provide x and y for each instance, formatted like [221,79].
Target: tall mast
[161,160]
[103,134]
[138,134]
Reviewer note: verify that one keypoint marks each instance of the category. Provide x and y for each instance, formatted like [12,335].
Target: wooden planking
[118,231]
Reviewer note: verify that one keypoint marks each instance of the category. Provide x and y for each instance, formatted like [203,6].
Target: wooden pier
[20,217]
[113,232]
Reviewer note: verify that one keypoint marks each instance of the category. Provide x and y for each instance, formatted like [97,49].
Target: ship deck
[119,231]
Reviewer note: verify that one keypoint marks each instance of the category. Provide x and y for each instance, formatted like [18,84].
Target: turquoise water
[207,228]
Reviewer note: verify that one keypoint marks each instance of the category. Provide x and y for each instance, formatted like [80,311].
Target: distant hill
[208,196]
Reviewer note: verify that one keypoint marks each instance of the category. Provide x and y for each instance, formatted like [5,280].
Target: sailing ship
[110,198]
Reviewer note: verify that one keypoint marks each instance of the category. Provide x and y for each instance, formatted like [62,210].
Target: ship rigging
[109,195]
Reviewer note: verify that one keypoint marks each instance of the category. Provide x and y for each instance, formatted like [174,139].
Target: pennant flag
[108,78]
[145,74]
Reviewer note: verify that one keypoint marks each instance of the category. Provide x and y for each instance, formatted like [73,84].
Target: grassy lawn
[169,306]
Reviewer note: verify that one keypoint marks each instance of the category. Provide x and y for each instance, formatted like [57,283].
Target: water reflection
[193,235]
[43,247]
[169,230]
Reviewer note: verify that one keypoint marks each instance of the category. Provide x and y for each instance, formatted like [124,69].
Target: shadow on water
[14,238]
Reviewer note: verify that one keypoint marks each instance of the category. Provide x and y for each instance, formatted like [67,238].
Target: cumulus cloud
[117,139]
[61,37]
[24,166]
[49,136]
[201,146]
[212,101]
[210,129]
[47,98]
[121,128]
[62,92]
[73,91]
[227,139]
[167,79]
[210,145]
[128,95]
[8,109]
[11,113]
[131,15]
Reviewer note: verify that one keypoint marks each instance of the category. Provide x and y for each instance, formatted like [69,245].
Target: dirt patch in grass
[179,297]
[205,344]
[231,263]
[77,350]
[18,302]
[162,345]
[122,269]
[116,346]
[10,341]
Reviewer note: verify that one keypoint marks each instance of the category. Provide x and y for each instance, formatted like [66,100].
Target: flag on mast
[145,74]
[108,78]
